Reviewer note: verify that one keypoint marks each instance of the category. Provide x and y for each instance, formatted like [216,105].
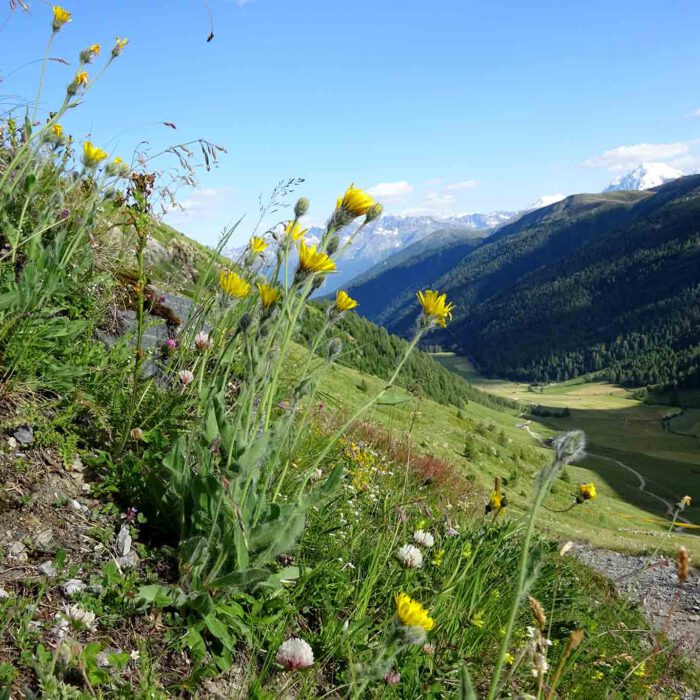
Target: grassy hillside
[208,509]
[595,283]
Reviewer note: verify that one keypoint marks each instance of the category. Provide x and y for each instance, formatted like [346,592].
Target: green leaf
[466,688]
[218,630]
[392,400]
[287,575]
[240,579]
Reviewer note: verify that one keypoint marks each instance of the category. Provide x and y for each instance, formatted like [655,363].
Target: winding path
[642,486]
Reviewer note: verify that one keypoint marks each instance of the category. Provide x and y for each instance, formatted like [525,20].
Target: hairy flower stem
[141,238]
[547,477]
[42,75]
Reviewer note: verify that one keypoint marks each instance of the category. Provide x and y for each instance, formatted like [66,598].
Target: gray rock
[48,569]
[24,435]
[73,586]
[123,544]
[18,552]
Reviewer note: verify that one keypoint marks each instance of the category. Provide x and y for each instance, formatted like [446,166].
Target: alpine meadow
[320,451]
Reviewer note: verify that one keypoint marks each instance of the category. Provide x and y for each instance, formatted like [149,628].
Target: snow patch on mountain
[645,177]
[546,199]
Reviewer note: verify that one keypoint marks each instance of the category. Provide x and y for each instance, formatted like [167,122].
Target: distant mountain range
[594,282]
[390,234]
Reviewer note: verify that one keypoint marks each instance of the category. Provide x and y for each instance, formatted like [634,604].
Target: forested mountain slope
[596,282]
[417,265]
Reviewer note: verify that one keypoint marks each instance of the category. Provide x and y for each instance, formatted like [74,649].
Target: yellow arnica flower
[294,231]
[82,78]
[234,285]
[344,302]
[355,201]
[257,245]
[435,306]
[311,260]
[411,613]
[118,161]
[57,130]
[92,155]
[60,17]
[95,49]
[269,295]
[587,492]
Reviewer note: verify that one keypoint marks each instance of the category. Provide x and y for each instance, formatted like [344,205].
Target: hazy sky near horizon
[441,107]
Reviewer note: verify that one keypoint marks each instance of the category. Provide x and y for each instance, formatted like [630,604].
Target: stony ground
[651,583]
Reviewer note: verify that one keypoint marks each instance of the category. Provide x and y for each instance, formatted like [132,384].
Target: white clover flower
[423,538]
[295,653]
[410,556]
[186,377]
[202,341]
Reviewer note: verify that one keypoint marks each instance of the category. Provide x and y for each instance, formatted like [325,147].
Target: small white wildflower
[410,556]
[423,538]
[135,655]
[316,475]
[295,654]
[78,616]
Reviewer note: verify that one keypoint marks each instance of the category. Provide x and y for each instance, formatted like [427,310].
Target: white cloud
[459,186]
[204,203]
[627,157]
[439,197]
[387,190]
[694,113]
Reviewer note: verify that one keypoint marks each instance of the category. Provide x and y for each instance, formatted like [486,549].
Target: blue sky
[442,107]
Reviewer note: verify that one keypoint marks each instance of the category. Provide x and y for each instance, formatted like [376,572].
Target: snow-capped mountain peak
[646,176]
[546,199]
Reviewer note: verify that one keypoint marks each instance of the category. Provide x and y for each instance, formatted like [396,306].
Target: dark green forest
[606,284]
[371,349]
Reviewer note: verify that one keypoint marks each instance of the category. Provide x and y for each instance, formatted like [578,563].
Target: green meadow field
[626,437]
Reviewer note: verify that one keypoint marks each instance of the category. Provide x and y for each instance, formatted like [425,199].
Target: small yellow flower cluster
[364,466]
